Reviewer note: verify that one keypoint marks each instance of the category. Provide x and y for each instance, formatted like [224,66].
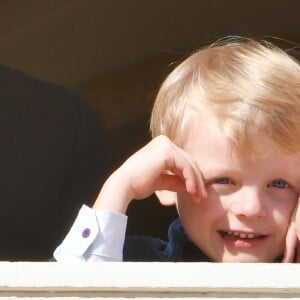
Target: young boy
[225,150]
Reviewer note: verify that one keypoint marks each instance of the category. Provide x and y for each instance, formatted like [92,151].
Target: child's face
[250,199]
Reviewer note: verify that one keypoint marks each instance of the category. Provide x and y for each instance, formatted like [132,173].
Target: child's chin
[245,258]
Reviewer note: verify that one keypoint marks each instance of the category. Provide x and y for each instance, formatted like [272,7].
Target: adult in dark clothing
[54,157]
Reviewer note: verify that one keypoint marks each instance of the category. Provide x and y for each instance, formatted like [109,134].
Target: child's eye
[278,183]
[223,180]
[221,186]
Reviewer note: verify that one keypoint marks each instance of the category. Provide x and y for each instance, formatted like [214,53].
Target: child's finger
[291,241]
[171,182]
[298,253]
[290,244]
[197,185]
[185,167]
[201,184]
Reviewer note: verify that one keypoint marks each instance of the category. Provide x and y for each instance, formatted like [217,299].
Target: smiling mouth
[229,234]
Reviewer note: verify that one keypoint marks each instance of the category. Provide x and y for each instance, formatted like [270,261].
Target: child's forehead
[258,143]
[215,152]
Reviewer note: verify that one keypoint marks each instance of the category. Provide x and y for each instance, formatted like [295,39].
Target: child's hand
[292,247]
[160,165]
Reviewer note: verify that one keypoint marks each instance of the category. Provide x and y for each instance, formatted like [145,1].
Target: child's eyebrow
[221,172]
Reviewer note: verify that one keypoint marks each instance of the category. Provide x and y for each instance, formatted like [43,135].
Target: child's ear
[166,198]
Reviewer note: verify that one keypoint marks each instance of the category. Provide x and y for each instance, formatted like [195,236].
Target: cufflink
[86,233]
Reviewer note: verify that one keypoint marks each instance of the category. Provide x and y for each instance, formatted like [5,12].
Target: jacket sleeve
[87,165]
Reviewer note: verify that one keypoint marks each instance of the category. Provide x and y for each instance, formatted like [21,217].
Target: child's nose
[249,202]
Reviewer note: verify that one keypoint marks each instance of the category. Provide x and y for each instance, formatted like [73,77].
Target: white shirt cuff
[95,236]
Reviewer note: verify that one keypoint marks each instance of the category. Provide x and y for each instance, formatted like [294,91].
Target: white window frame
[112,280]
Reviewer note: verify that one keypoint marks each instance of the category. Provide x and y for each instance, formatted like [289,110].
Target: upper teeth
[242,235]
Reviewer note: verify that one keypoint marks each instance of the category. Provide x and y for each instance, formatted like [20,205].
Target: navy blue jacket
[178,248]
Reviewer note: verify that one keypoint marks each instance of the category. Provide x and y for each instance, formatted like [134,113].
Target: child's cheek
[187,204]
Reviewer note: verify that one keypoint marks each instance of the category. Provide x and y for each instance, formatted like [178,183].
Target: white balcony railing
[23,280]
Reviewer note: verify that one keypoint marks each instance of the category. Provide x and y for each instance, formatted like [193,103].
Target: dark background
[116,52]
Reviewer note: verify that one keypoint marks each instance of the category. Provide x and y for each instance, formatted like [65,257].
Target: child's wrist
[115,194]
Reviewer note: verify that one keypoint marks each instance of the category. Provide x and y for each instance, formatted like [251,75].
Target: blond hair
[251,87]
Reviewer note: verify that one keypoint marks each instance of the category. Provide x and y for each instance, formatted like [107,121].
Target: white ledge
[151,280]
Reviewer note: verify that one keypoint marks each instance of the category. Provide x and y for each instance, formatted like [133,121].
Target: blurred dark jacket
[53,158]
